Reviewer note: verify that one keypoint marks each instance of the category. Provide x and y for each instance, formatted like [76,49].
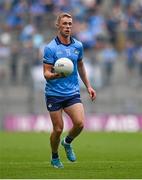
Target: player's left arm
[84,78]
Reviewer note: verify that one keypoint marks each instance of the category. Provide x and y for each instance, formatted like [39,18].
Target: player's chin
[67,33]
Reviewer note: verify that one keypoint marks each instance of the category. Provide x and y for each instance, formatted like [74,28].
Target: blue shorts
[54,103]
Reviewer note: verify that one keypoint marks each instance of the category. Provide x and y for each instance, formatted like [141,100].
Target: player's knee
[79,125]
[58,130]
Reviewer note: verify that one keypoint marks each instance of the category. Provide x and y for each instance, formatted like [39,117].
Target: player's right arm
[48,72]
[48,64]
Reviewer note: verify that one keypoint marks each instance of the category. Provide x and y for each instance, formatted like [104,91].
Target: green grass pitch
[99,155]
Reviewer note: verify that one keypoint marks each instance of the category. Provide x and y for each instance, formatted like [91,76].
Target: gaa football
[64,66]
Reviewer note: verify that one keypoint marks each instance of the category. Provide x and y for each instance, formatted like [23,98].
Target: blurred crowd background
[111,32]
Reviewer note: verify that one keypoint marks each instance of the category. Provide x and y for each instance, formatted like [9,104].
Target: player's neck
[64,40]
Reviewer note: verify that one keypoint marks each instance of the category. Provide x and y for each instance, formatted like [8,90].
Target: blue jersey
[69,85]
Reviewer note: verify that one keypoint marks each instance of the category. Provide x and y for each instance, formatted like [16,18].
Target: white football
[64,65]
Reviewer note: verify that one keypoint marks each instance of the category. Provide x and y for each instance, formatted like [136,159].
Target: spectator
[14,57]
[130,56]
[97,24]
[109,56]
[139,61]
[85,35]
[27,32]
[27,56]
[4,57]
[37,10]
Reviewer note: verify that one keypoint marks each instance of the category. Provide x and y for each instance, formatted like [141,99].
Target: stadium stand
[25,28]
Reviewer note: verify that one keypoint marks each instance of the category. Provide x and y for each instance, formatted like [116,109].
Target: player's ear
[57,25]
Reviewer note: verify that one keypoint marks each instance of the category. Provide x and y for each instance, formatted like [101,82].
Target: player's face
[65,26]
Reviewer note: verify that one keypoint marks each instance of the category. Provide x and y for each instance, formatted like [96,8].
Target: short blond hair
[62,15]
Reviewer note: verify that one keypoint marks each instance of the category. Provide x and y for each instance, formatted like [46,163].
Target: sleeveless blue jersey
[69,85]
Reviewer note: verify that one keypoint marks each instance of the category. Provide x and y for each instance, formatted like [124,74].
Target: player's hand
[92,93]
[59,75]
